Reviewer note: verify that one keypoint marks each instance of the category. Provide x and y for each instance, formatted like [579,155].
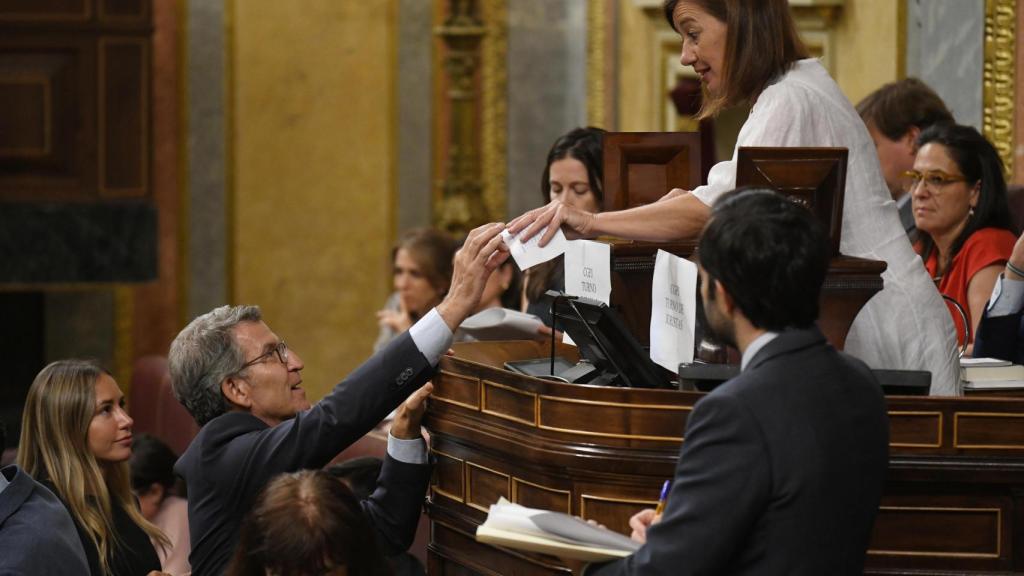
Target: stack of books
[991,374]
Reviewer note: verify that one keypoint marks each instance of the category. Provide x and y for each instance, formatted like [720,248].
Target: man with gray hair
[243,386]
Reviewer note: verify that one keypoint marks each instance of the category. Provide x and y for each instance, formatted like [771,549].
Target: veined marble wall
[547,91]
[945,49]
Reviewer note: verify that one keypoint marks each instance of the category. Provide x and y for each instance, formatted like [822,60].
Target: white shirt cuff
[1007,297]
[412,451]
[431,336]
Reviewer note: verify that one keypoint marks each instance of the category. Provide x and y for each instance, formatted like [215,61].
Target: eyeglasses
[933,180]
[281,349]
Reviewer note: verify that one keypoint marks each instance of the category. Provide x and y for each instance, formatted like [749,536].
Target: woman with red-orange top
[963,220]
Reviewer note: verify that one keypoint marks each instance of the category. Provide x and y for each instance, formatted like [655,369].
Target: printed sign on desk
[673,310]
[588,270]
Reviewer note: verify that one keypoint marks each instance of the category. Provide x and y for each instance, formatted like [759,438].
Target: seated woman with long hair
[963,220]
[307,524]
[572,175]
[76,439]
[422,260]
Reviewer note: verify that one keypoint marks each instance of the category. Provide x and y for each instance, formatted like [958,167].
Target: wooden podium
[954,499]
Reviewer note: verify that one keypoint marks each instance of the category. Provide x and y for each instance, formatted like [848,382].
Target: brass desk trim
[484,384]
[543,426]
[469,486]
[938,440]
[458,498]
[999,534]
[956,431]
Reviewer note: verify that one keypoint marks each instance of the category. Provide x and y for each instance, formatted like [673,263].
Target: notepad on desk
[521,528]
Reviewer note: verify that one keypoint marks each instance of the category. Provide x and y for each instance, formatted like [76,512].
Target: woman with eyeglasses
[962,217]
[76,439]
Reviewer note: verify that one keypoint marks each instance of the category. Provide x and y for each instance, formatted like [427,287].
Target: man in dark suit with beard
[782,468]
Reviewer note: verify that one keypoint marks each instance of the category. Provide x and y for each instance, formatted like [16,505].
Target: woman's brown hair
[433,250]
[761,44]
[304,524]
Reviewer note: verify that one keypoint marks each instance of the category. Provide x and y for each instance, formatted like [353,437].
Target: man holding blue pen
[782,468]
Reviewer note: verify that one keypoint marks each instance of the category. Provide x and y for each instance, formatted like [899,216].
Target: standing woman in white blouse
[749,52]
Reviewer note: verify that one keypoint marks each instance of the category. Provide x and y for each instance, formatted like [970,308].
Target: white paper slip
[673,311]
[529,254]
[588,271]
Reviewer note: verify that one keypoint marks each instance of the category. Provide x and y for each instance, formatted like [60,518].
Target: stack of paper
[991,374]
[501,324]
[522,528]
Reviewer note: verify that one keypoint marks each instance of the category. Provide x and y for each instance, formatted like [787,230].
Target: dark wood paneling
[543,497]
[46,117]
[449,476]
[25,121]
[132,10]
[510,403]
[45,10]
[641,167]
[989,430]
[485,486]
[124,122]
[946,509]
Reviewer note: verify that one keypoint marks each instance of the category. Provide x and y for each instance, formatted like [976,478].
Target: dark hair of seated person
[980,163]
[152,462]
[307,524]
[770,254]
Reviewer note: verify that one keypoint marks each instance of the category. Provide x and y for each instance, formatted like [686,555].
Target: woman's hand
[544,333]
[397,320]
[576,223]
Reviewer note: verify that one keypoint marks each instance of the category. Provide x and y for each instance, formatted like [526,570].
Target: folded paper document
[501,324]
[522,528]
[528,254]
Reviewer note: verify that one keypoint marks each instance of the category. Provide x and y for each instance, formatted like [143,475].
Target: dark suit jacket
[1001,337]
[236,454]
[37,535]
[781,471]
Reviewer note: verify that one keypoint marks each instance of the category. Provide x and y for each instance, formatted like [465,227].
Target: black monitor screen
[603,339]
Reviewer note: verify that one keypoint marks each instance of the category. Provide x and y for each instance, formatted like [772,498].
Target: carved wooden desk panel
[954,501]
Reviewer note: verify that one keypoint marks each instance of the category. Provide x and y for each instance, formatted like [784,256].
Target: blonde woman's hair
[54,447]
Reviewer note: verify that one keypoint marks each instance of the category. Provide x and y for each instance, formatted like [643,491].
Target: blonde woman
[76,439]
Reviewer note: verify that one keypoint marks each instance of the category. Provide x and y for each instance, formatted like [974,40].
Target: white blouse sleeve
[782,116]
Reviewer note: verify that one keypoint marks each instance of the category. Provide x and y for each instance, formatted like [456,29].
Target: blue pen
[663,498]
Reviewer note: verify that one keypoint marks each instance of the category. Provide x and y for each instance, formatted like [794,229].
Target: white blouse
[906,325]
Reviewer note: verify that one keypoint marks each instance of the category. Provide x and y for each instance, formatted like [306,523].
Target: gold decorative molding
[996,512]
[981,416]
[597,37]
[460,183]
[912,413]
[494,112]
[998,77]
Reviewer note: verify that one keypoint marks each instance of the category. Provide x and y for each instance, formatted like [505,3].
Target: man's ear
[236,390]
[723,296]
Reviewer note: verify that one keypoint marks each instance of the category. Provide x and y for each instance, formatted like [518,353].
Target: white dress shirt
[906,325]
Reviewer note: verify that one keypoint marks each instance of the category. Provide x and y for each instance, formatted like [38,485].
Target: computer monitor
[604,341]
